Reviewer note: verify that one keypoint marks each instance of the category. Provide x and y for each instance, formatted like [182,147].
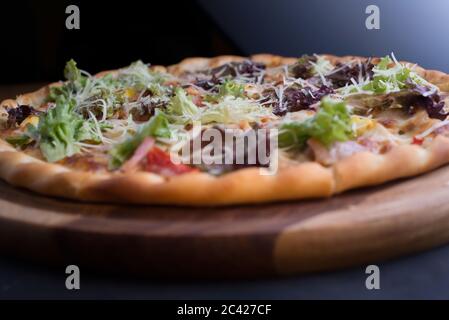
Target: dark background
[34,43]
[419,276]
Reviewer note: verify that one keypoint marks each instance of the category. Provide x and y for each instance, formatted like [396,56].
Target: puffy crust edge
[305,180]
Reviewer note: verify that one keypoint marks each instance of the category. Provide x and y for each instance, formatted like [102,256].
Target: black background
[36,44]
[419,276]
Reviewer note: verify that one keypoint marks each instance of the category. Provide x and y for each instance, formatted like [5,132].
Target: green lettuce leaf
[60,128]
[387,79]
[231,88]
[394,78]
[330,124]
[138,76]
[73,74]
[181,108]
[75,82]
[58,91]
[19,140]
[228,88]
[157,127]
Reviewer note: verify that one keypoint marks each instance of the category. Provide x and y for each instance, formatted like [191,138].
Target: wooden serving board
[244,241]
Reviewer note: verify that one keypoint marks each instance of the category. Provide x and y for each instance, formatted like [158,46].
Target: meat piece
[140,153]
[339,150]
[388,123]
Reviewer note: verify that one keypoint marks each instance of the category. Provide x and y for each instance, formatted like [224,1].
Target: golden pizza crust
[305,180]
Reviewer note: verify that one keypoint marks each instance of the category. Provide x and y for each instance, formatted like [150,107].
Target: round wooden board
[244,241]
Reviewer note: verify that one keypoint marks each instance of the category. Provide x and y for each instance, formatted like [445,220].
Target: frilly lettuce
[181,105]
[233,110]
[60,129]
[137,75]
[228,88]
[330,124]
[229,109]
[388,76]
[157,126]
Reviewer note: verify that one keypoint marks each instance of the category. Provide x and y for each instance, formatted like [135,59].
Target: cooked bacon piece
[339,150]
[192,91]
[198,101]
[370,144]
[138,156]
[418,123]
[388,123]
[158,161]
[442,130]
[376,146]
[320,152]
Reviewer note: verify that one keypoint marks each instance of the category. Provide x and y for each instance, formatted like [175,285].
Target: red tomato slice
[417,141]
[158,161]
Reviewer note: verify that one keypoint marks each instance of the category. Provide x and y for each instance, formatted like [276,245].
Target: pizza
[311,127]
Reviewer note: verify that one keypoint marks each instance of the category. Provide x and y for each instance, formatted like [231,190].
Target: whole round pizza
[226,130]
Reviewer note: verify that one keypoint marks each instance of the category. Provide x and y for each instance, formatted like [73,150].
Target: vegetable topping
[138,117]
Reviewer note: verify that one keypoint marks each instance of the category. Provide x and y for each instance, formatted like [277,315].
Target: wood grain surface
[243,241]
[357,227]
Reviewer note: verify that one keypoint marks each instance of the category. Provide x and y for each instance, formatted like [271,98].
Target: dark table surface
[421,276]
